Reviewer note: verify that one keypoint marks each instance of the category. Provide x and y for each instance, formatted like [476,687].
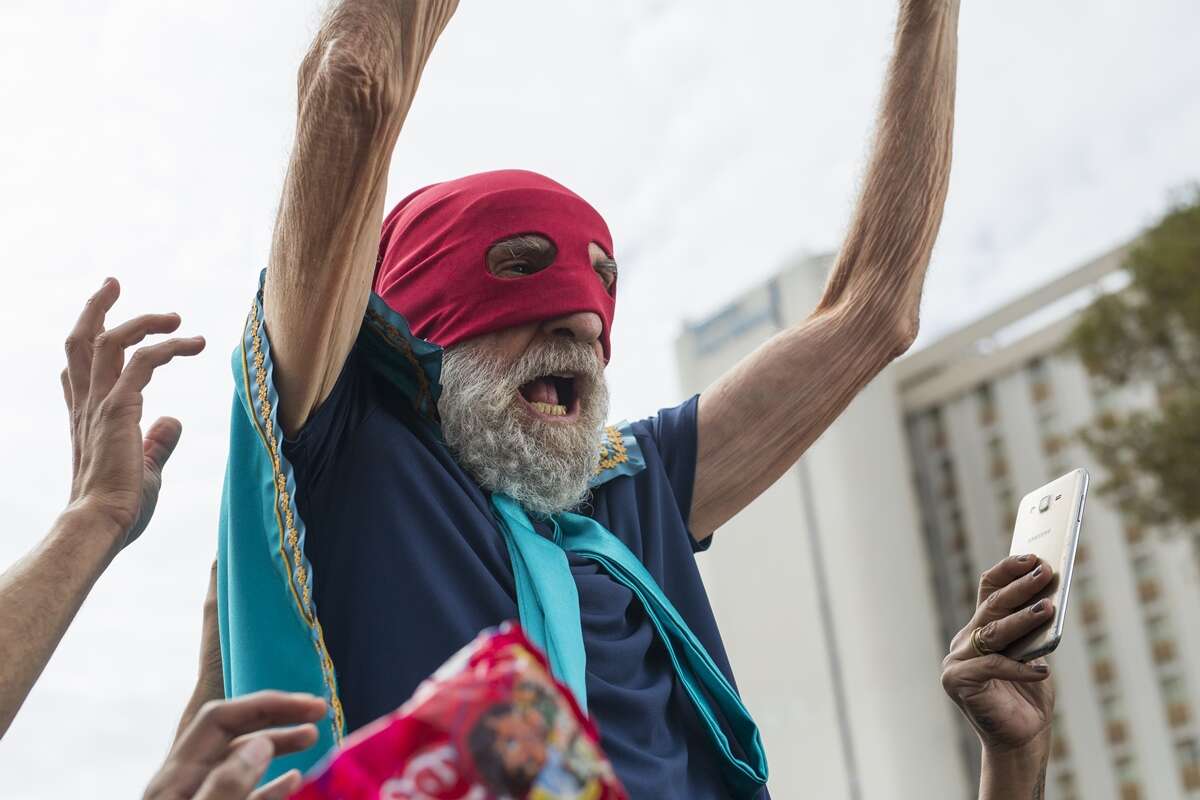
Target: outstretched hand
[1010,704]
[116,473]
[224,752]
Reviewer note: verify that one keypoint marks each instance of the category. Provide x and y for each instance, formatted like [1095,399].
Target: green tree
[1150,333]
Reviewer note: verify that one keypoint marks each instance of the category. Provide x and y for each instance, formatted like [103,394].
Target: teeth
[551,409]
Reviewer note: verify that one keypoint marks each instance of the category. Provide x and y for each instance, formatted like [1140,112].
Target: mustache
[556,355]
[546,357]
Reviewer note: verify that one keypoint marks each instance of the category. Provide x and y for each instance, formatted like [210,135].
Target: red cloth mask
[433,269]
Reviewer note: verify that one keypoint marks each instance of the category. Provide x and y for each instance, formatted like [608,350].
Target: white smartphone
[1048,524]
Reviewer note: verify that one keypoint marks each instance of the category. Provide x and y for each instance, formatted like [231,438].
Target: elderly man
[419,446]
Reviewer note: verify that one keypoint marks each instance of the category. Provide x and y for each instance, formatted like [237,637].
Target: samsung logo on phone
[1039,534]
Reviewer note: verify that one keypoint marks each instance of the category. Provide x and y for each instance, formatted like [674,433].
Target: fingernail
[1023,558]
[257,751]
[1037,571]
[1042,668]
[1039,606]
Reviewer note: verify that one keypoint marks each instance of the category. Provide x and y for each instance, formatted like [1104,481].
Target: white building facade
[824,593]
[857,567]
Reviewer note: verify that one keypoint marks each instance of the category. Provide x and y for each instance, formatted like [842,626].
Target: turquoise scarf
[548,604]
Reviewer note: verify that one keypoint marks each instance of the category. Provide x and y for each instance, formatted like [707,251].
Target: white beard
[544,466]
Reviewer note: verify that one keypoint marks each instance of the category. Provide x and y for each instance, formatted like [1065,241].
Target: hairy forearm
[356,85]
[41,594]
[1015,776]
[763,414]
[876,281]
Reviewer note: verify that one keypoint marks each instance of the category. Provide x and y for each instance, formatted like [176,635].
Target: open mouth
[552,396]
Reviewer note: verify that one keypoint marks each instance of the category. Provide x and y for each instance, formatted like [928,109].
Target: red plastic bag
[491,724]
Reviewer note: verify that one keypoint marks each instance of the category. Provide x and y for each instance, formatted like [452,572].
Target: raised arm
[116,475]
[356,85]
[761,416]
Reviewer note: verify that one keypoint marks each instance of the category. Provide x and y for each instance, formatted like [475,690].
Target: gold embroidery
[613,451]
[287,523]
[399,342]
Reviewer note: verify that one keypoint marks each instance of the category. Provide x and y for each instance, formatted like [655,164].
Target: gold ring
[981,649]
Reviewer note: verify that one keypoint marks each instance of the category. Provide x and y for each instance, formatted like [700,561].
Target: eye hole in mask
[520,256]
[530,253]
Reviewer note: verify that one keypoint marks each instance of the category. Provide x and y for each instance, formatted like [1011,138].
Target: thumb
[160,441]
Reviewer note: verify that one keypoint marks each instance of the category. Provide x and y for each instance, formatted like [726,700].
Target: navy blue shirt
[409,566]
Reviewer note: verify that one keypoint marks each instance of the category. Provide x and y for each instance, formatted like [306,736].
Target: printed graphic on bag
[491,724]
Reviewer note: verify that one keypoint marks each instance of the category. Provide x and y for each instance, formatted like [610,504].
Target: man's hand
[224,751]
[116,474]
[115,479]
[1009,704]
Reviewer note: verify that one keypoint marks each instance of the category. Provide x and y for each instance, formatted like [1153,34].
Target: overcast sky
[148,141]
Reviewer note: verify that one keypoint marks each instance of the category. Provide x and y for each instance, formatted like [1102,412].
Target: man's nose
[582,326]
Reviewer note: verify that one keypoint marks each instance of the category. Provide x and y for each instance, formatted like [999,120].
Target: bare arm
[41,594]
[210,678]
[1015,776]
[116,477]
[356,85]
[761,416]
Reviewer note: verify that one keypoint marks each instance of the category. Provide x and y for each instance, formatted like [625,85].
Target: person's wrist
[1008,772]
[88,518]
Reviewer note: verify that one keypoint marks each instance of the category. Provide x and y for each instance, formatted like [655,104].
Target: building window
[1188,753]
[1099,651]
[946,469]
[1115,728]
[987,405]
[1066,785]
[999,464]
[1162,639]
[1147,579]
[1175,698]
[1126,769]
[1039,380]
[1091,612]
[939,441]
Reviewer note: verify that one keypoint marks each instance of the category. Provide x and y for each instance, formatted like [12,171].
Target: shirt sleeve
[315,447]
[673,431]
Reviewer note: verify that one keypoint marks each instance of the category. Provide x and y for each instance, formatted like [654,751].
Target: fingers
[108,351]
[79,341]
[280,788]
[160,442]
[236,776]
[287,740]
[147,359]
[71,422]
[961,678]
[1004,573]
[220,722]
[999,634]
[1015,583]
